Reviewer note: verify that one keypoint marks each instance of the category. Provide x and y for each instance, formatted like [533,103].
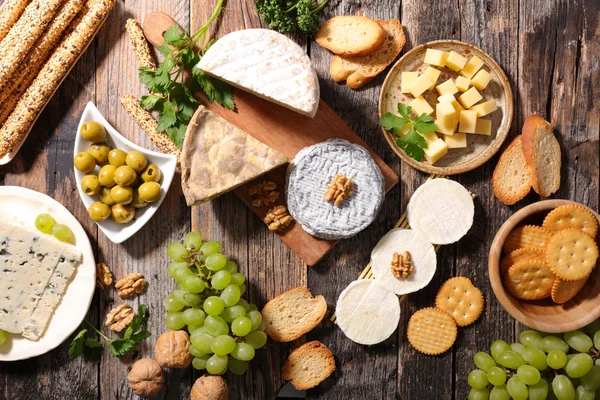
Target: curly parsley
[291,15]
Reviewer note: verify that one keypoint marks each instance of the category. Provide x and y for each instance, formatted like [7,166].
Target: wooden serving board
[285,131]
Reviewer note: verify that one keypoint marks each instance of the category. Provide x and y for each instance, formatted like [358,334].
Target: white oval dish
[20,202]
[167,163]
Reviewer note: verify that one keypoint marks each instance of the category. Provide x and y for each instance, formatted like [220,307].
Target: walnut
[172,350]
[339,189]
[119,317]
[210,387]
[402,265]
[263,193]
[278,218]
[130,285]
[146,377]
[104,277]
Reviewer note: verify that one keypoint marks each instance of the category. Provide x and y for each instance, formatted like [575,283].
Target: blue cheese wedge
[267,64]
[308,177]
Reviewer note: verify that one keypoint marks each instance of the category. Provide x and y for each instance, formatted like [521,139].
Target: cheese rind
[406,80]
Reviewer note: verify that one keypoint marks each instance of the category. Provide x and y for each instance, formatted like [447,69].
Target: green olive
[122,214]
[90,185]
[117,157]
[84,162]
[99,211]
[152,173]
[106,198]
[93,131]
[136,160]
[122,194]
[100,153]
[106,176]
[149,191]
[125,175]
[137,202]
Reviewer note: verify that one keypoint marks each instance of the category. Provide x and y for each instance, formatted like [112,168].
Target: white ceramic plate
[167,163]
[25,205]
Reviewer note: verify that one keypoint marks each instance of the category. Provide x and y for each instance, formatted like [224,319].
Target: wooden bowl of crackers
[543,266]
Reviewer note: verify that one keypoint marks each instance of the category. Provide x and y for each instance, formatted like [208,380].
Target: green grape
[261,327]
[553,343]
[213,305]
[479,394]
[215,262]
[579,365]
[231,267]
[496,376]
[216,326]
[243,352]
[528,374]
[238,278]
[597,340]
[539,391]
[563,388]
[44,223]
[193,351]
[518,347]
[499,347]
[198,330]
[477,379]
[256,339]
[193,284]
[187,298]
[535,357]
[62,232]
[237,367]
[174,321]
[223,345]
[517,389]
[532,339]
[557,359]
[241,326]
[216,364]
[484,361]
[231,313]
[180,274]
[3,336]
[200,362]
[177,252]
[582,393]
[244,304]
[511,359]
[499,393]
[220,280]
[231,295]
[253,307]
[255,317]
[174,266]
[171,304]
[243,288]
[202,342]
[579,341]
[209,248]
[590,381]
[193,241]
[193,316]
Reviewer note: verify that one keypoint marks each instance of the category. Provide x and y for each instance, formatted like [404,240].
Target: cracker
[563,291]
[529,279]
[459,298]
[431,331]
[527,236]
[526,253]
[573,216]
[572,254]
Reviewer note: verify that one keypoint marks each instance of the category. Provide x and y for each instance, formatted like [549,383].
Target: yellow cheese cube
[457,107]
[455,61]
[420,85]
[484,108]
[456,141]
[462,83]
[446,115]
[481,79]
[420,106]
[435,57]
[430,137]
[407,79]
[436,150]
[468,121]
[483,127]
[471,67]
[433,74]
[446,98]
[447,87]
[442,129]
[470,97]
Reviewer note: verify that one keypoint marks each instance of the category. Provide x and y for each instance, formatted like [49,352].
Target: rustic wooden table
[550,52]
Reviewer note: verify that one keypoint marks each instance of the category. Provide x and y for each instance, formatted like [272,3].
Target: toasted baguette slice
[358,71]
[292,314]
[511,178]
[350,36]
[309,365]
[542,154]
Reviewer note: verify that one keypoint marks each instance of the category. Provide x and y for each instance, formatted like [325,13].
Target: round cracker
[519,255]
[431,331]
[529,280]
[527,236]
[571,216]
[563,291]
[572,254]
[461,299]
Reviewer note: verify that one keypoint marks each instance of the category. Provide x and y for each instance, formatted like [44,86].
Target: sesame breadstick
[141,49]
[9,14]
[20,121]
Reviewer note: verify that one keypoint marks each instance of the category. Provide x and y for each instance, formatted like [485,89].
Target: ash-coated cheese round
[422,255]
[308,177]
[442,210]
[367,313]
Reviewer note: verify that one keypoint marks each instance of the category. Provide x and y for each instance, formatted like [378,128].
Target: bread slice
[358,71]
[309,365]
[542,154]
[511,178]
[292,314]
[350,36]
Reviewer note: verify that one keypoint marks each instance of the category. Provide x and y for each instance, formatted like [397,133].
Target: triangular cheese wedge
[217,157]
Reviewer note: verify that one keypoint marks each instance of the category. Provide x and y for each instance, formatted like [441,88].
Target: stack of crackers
[553,260]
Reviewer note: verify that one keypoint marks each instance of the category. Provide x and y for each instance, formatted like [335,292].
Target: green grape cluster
[224,329]
[46,224]
[541,366]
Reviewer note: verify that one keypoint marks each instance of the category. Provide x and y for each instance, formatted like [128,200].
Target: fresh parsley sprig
[291,15]
[172,92]
[413,143]
[90,348]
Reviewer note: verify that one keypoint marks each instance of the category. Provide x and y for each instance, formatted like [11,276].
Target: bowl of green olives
[121,184]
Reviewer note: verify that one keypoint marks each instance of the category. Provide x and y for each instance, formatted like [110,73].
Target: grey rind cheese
[310,173]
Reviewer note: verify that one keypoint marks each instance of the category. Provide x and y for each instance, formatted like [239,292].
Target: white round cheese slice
[442,210]
[422,254]
[367,313]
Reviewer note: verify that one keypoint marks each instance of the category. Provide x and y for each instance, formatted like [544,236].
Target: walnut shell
[146,377]
[172,350]
[210,387]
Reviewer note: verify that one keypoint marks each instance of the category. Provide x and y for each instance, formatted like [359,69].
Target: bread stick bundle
[9,14]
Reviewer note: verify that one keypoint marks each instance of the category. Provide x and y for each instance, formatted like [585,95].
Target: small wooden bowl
[480,148]
[543,315]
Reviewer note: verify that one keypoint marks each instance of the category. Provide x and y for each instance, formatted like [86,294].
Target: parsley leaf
[120,347]
[77,344]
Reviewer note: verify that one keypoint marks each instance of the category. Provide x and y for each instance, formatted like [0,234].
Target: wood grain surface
[549,51]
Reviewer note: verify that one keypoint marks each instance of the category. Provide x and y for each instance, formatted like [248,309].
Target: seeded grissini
[20,121]
[141,49]
[9,14]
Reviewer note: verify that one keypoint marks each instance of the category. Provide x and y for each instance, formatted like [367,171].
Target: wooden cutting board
[285,131]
